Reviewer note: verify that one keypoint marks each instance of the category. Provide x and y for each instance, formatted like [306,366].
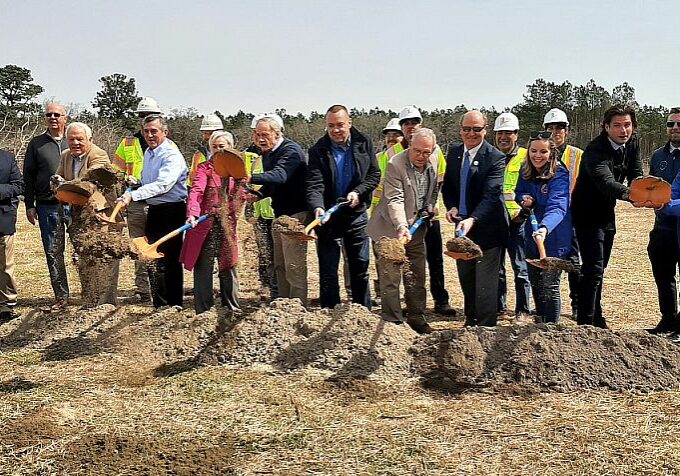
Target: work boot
[419,325]
[444,309]
[664,326]
[6,316]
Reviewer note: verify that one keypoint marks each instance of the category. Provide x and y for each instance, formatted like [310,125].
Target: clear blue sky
[259,55]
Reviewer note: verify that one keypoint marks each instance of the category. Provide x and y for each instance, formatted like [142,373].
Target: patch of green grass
[24,357]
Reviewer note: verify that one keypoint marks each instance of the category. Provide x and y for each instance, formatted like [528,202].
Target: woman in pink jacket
[216,236]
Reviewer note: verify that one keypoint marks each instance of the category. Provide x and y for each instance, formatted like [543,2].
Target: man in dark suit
[11,186]
[610,159]
[472,193]
[341,165]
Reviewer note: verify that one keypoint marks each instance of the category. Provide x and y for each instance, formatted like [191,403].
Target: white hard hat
[555,116]
[271,115]
[148,105]
[507,121]
[410,112]
[392,125]
[211,122]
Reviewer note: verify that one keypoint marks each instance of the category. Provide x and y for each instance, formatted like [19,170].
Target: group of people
[491,193]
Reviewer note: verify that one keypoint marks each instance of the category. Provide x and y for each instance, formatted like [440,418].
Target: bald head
[473,128]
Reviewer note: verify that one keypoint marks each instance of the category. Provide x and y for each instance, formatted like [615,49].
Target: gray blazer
[399,203]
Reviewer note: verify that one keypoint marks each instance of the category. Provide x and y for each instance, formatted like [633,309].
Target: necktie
[462,205]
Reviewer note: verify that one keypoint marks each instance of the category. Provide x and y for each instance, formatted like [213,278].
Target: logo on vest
[544,189]
[663,165]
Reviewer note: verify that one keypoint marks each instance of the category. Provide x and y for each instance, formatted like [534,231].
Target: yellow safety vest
[512,171]
[129,157]
[571,158]
[383,158]
[261,208]
[198,158]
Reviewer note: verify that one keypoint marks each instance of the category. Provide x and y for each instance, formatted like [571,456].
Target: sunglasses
[470,129]
[671,124]
[544,135]
[53,114]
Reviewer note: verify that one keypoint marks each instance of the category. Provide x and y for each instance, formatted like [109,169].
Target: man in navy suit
[11,186]
[472,193]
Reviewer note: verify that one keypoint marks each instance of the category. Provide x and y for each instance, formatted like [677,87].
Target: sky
[304,55]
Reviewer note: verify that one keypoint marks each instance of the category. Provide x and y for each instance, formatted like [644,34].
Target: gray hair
[218,134]
[477,111]
[79,125]
[155,117]
[58,104]
[273,124]
[425,132]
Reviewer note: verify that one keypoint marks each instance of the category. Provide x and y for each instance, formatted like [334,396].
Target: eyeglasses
[671,124]
[53,114]
[544,135]
[470,129]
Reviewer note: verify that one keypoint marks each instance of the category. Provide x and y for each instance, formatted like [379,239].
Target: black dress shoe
[6,316]
[444,309]
[420,327]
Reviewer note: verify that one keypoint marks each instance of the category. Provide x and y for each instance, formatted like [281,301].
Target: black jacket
[11,186]
[600,181]
[42,158]
[283,178]
[484,193]
[321,173]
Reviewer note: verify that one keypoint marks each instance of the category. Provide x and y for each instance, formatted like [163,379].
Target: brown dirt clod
[391,249]
[288,226]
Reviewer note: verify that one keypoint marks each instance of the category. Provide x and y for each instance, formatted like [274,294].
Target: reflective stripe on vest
[196,160]
[383,158]
[510,178]
[129,157]
[572,159]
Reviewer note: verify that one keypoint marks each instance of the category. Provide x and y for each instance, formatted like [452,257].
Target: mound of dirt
[348,341]
[547,357]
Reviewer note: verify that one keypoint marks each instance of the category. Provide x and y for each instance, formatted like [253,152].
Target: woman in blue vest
[543,186]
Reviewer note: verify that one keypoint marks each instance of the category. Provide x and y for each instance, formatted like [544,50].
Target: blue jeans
[52,219]
[350,232]
[545,284]
[515,248]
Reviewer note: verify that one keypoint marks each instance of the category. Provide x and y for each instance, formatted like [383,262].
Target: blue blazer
[484,193]
[551,206]
[11,186]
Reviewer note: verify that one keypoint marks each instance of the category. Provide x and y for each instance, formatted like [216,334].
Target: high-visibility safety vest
[512,171]
[261,208]
[198,158]
[129,157]
[571,158]
[385,156]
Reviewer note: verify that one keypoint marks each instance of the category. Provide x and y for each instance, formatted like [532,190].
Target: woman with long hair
[543,187]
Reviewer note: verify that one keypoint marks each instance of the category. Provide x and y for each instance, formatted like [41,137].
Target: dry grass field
[117,392]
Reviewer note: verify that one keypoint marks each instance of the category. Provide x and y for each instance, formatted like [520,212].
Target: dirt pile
[348,341]
[547,357]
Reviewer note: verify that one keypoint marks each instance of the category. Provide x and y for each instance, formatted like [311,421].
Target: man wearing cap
[472,193]
[556,122]
[163,188]
[610,159]
[41,161]
[410,121]
[342,165]
[283,179]
[663,251]
[129,158]
[410,187]
[209,124]
[506,130]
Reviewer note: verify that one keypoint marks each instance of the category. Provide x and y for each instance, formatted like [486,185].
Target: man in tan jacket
[98,274]
[410,188]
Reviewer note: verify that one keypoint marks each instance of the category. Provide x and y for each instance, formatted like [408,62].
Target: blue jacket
[664,166]
[11,186]
[484,193]
[551,206]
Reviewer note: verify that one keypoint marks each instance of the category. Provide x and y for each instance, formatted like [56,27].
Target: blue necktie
[462,205]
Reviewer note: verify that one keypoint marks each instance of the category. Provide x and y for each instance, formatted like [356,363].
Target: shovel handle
[176,232]
[318,221]
[538,240]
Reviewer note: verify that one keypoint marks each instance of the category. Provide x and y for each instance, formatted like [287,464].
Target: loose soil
[391,249]
[464,246]
[288,226]
[548,358]
[553,263]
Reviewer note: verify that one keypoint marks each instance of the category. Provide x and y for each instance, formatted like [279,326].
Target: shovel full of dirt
[392,249]
[461,247]
[148,251]
[546,262]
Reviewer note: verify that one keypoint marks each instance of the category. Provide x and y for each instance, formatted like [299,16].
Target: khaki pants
[8,287]
[414,283]
[290,264]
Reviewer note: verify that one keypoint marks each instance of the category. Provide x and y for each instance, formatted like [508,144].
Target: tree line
[117,99]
